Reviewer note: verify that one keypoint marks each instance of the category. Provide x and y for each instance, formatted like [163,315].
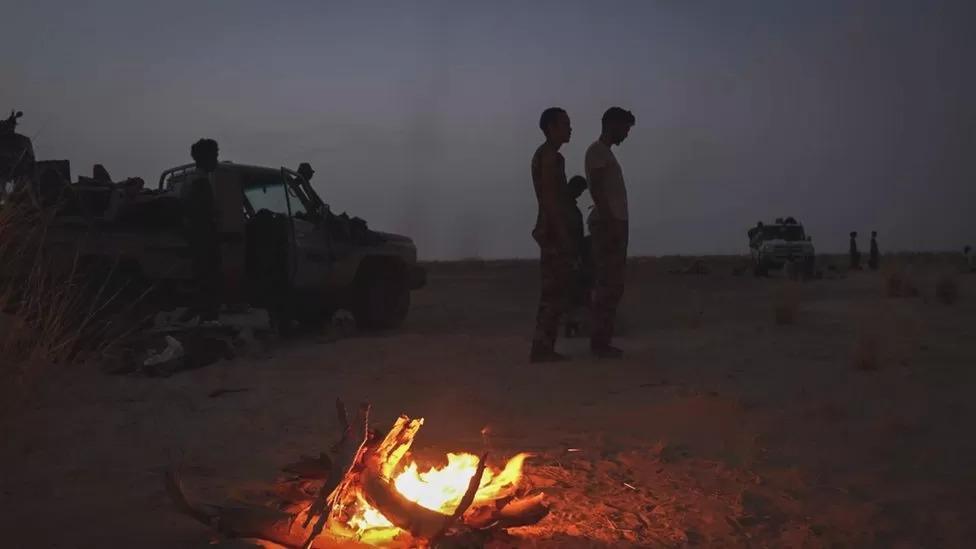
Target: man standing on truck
[16,157]
[200,219]
[551,233]
[608,228]
[755,234]
[305,170]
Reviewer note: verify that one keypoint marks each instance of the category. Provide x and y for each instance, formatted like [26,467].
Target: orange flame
[439,489]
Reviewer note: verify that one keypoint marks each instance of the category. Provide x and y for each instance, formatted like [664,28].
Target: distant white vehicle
[781,243]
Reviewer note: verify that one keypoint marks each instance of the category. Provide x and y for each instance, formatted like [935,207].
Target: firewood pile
[363,493]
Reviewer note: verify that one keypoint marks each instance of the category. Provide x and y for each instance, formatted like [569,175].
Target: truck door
[312,258]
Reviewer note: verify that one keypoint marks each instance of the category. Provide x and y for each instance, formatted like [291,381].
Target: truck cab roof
[177,173]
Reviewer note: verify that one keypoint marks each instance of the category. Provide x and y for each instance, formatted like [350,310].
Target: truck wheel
[383,302]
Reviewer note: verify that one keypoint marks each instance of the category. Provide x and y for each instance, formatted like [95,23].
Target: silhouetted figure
[202,234]
[855,255]
[574,217]
[754,234]
[556,246]
[874,257]
[580,280]
[16,157]
[101,175]
[305,170]
[968,256]
[608,228]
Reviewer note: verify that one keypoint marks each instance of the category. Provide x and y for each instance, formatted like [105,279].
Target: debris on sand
[165,350]
[173,352]
[342,325]
[787,304]
[220,392]
[697,267]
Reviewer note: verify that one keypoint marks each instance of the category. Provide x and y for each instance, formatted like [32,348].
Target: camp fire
[370,493]
[439,489]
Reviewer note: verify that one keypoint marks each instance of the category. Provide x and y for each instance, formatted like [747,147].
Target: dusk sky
[421,117]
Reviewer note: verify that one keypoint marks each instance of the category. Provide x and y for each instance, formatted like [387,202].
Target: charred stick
[468,497]
[321,508]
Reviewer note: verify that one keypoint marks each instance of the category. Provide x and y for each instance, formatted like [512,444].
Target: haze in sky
[421,117]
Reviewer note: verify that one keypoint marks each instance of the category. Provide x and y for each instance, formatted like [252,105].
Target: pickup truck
[276,233]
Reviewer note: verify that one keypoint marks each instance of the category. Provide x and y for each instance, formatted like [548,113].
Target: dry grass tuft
[900,283]
[52,313]
[947,290]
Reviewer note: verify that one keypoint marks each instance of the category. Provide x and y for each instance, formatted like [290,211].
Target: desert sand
[720,428]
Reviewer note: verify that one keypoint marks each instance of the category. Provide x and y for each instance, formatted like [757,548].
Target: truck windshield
[784,232]
[268,193]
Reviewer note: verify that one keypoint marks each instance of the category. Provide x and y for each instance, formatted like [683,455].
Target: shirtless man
[551,233]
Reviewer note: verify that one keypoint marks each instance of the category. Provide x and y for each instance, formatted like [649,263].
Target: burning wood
[366,495]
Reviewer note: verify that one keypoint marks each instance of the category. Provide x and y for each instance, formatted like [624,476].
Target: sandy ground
[721,428]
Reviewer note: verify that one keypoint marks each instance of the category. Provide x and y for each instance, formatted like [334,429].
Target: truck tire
[383,300]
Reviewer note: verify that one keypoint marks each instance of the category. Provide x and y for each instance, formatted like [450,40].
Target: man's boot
[544,353]
[605,350]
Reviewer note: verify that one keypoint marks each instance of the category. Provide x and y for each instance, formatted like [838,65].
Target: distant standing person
[551,233]
[854,254]
[755,233]
[874,259]
[200,216]
[609,229]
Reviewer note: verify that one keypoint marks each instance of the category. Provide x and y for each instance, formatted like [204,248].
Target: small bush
[52,312]
[867,353]
[893,284]
[900,284]
[947,290]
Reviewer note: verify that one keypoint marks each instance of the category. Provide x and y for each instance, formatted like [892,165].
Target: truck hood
[794,244]
[394,238]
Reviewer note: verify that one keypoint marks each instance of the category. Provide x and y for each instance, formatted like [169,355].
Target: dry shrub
[947,289]
[900,283]
[867,352]
[887,334]
[52,312]
[786,304]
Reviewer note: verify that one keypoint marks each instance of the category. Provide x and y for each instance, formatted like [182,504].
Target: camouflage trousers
[555,284]
[610,240]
